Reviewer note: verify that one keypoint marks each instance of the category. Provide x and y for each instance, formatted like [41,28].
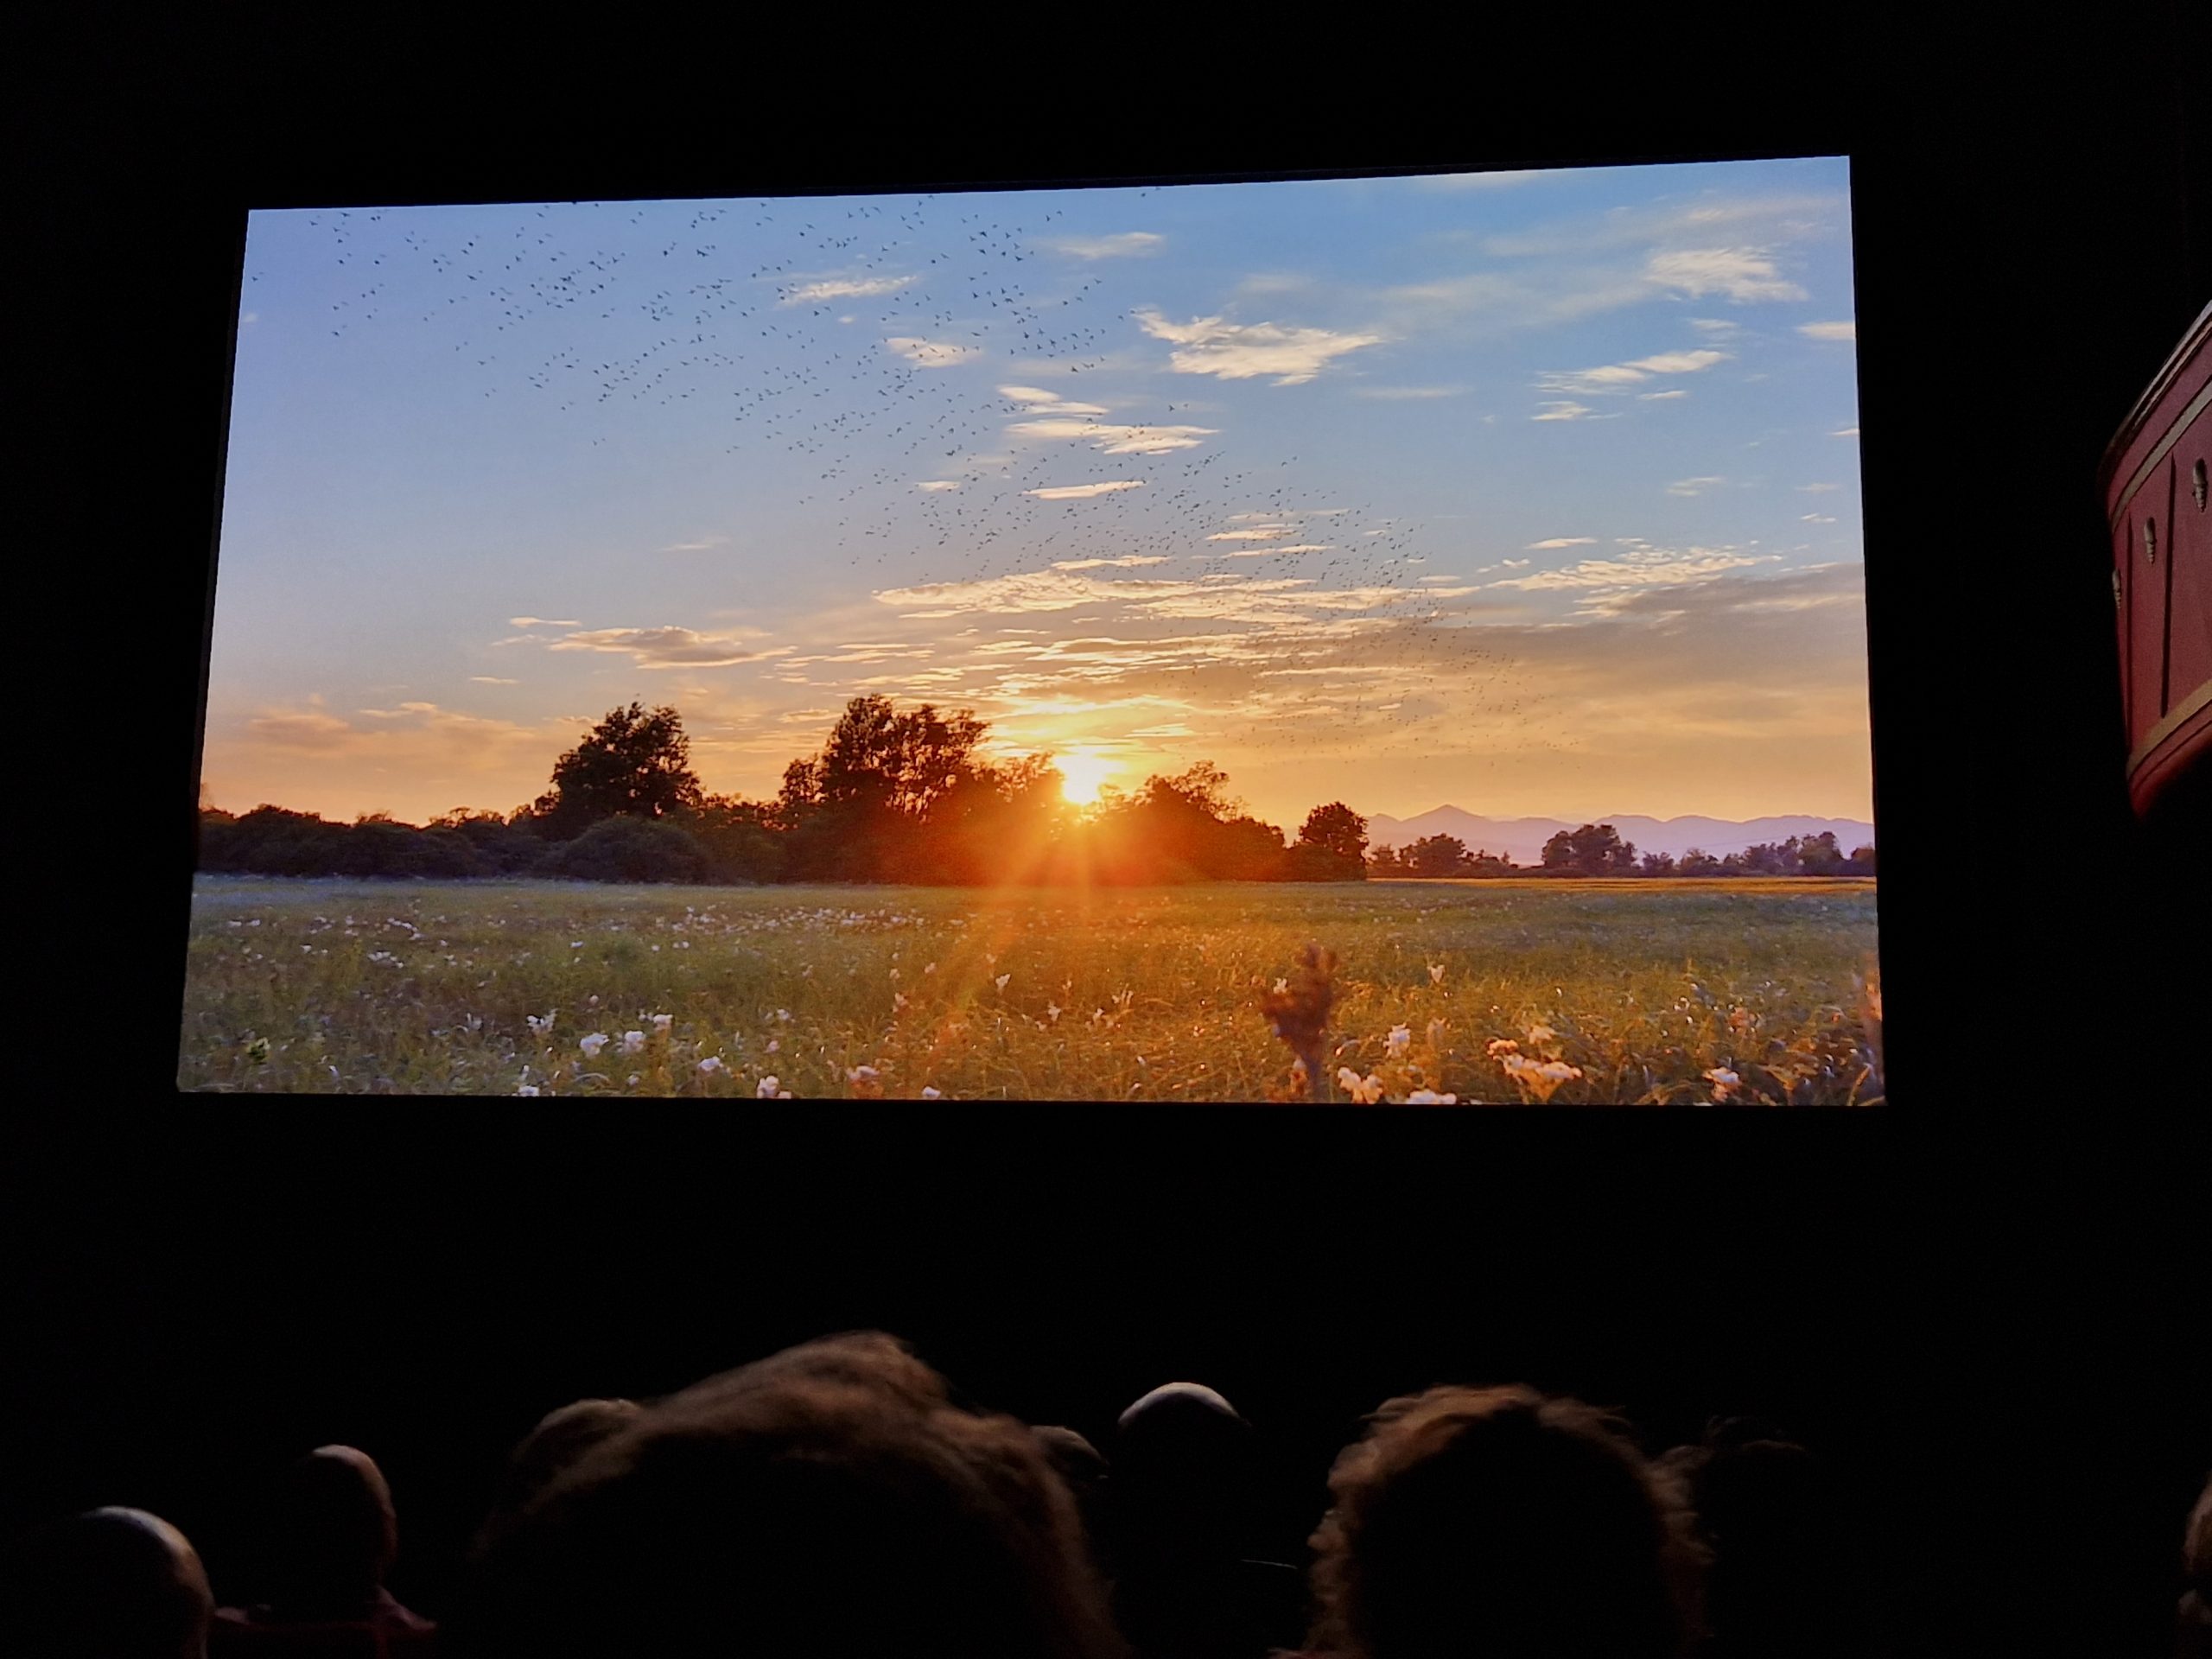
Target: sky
[1534,493]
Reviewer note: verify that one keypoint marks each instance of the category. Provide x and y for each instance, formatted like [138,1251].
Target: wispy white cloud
[1565,541]
[1126,559]
[1693,485]
[490,679]
[1829,330]
[413,735]
[671,647]
[1818,489]
[1672,225]
[1245,351]
[933,485]
[1036,401]
[931,354]
[1847,432]
[1619,377]
[539,622]
[845,288]
[1645,567]
[1256,533]
[1115,440]
[1124,246]
[1814,519]
[1659,396]
[1741,274]
[699,546]
[1562,410]
[1083,492]
[1270,551]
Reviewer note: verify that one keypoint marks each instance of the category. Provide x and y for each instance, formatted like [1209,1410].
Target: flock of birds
[843,337]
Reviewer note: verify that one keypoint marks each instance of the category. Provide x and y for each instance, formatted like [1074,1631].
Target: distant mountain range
[1523,839]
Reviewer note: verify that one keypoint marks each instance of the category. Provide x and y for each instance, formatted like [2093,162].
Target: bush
[628,850]
[509,849]
[1304,862]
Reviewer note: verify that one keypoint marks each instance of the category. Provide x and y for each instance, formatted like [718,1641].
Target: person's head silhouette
[1183,1469]
[333,1536]
[562,1436]
[1501,1522]
[831,1498]
[111,1584]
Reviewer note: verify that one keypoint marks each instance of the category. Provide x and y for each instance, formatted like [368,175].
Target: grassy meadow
[1685,992]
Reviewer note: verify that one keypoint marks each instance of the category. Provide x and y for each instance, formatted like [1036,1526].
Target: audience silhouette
[832,1499]
[111,1584]
[2193,1619]
[333,1534]
[1781,1580]
[1184,1492]
[842,1498]
[1079,1463]
[562,1436]
[1501,1523]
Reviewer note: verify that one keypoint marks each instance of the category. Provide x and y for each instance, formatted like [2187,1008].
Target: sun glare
[1081,776]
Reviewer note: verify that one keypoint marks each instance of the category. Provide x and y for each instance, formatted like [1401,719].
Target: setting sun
[1081,775]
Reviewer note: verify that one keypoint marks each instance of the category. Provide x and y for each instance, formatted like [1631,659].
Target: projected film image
[1361,641]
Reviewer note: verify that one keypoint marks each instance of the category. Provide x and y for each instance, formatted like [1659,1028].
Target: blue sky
[1529,493]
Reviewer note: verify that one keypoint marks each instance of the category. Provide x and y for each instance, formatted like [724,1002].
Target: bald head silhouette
[1183,1468]
[111,1584]
[333,1537]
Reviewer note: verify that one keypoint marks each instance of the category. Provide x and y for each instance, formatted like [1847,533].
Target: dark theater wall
[1978,1300]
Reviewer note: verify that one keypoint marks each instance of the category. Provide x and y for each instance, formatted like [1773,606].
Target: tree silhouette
[1331,846]
[1436,855]
[633,764]
[1593,849]
[1335,828]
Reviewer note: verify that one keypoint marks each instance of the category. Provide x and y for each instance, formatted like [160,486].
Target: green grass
[1142,994]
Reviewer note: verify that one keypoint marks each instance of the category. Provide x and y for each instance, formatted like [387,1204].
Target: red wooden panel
[2189,607]
[2124,582]
[2147,563]
[2161,525]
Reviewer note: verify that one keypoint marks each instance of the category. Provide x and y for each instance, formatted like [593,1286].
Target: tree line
[1598,849]
[897,796]
[892,797]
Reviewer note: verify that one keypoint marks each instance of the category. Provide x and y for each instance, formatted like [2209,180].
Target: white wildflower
[1401,1038]
[634,1042]
[931,1094]
[768,1088]
[593,1044]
